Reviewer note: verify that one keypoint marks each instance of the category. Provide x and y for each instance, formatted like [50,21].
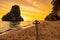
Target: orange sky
[30,9]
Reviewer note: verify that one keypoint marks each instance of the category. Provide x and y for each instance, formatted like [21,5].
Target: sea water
[6,25]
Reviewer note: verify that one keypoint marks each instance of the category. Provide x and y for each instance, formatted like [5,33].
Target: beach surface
[47,30]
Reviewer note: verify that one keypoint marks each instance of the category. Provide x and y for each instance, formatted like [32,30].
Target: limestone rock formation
[13,15]
[54,15]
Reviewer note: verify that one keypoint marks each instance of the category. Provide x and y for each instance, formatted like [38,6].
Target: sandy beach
[46,31]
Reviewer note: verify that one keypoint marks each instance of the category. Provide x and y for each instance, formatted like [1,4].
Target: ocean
[6,25]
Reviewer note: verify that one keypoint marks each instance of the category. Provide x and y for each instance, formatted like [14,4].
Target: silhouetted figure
[13,15]
[55,14]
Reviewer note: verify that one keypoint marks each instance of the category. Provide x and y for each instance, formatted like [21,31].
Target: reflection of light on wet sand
[26,24]
[4,26]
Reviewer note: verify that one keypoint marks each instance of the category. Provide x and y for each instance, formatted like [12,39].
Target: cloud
[31,9]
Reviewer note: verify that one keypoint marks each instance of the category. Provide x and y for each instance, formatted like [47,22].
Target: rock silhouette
[13,15]
[54,15]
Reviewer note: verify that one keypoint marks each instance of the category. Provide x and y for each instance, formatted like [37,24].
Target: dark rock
[13,15]
[53,15]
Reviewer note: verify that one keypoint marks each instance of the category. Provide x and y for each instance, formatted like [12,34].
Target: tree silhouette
[53,15]
[13,15]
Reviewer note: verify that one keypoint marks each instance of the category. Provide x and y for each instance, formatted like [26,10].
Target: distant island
[13,15]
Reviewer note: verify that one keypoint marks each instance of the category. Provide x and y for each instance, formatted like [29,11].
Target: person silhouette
[13,15]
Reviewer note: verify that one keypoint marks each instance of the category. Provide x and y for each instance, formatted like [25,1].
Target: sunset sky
[30,9]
